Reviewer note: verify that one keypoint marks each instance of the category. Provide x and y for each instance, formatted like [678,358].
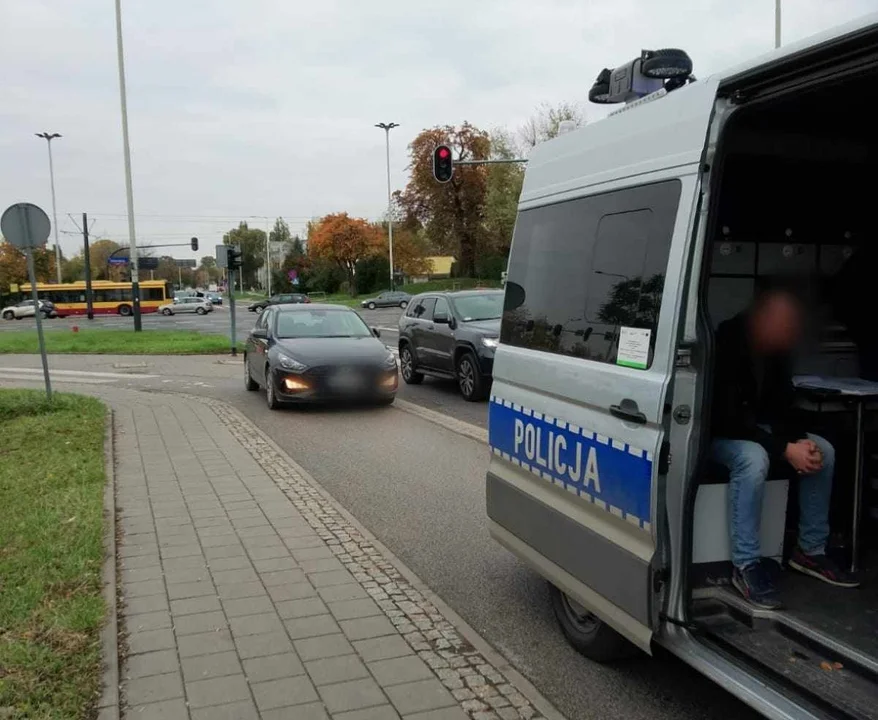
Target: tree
[252,244]
[280,232]
[452,214]
[73,269]
[343,240]
[501,204]
[545,122]
[98,253]
[207,271]
[13,266]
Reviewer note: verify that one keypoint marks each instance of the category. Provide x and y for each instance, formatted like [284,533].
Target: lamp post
[129,192]
[387,127]
[48,137]
[777,23]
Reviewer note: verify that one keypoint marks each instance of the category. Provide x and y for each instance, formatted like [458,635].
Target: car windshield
[487,306]
[320,324]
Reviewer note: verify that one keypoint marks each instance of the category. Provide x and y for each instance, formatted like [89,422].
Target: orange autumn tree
[13,266]
[343,240]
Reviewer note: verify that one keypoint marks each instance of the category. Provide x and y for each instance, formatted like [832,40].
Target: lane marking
[78,373]
[39,379]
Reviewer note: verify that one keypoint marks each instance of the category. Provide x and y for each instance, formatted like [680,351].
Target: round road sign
[25,225]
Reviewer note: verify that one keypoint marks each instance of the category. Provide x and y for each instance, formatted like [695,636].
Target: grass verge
[116,342]
[51,550]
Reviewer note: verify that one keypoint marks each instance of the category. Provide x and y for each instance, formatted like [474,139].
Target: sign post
[27,227]
[222,261]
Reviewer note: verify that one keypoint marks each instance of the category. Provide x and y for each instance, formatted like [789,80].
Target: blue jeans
[748,464]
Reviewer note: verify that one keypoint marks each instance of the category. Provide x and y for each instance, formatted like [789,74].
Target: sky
[256,109]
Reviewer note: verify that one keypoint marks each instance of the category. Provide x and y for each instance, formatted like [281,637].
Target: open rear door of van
[577,417]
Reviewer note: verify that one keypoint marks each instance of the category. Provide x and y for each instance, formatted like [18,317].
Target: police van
[636,236]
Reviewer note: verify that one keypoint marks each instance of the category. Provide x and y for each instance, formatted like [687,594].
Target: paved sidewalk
[247,594]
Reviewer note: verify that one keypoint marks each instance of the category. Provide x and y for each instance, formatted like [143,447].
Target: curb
[108,707]
[473,432]
[495,658]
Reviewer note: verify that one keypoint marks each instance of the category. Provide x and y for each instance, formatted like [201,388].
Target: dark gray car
[391,298]
[315,352]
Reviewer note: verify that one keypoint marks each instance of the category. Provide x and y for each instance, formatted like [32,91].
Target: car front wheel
[403,304]
[371,306]
[249,382]
[167,311]
[9,315]
[201,311]
[270,392]
[586,632]
[407,365]
[469,378]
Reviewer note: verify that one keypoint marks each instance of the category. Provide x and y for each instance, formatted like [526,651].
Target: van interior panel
[796,199]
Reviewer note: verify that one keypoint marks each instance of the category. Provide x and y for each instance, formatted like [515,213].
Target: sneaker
[823,568]
[755,583]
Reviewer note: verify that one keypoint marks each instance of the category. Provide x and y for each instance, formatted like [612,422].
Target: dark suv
[283,299]
[451,335]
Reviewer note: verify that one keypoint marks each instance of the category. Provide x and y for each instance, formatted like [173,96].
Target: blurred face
[777,324]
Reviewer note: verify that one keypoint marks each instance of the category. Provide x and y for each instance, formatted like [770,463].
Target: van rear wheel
[585,632]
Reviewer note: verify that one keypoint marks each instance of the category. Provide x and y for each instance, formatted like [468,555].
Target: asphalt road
[420,489]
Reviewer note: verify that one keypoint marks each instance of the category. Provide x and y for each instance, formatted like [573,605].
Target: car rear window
[320,324]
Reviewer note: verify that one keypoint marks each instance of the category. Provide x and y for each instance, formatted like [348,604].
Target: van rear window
[582,270]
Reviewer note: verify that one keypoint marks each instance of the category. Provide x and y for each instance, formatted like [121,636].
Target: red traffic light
[444,152]
[443,164]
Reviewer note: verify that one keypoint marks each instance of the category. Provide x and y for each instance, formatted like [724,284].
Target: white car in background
[25,309]
[202,306]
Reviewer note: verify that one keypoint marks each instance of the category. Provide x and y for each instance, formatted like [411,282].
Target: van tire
[594,638]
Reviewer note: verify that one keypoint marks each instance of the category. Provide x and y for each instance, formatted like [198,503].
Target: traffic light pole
[231,285]
[490,162]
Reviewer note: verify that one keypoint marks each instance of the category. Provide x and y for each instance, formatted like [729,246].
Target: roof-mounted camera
[654,70]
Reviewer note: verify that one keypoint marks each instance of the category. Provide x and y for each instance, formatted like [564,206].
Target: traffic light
[443,163]
[235,258]
[194,243]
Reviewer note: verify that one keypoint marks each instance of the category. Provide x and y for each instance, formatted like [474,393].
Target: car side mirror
[259,333]
[441,319]
[376,332]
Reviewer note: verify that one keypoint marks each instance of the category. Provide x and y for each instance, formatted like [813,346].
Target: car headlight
[288,363]
[490,342]
[390,361]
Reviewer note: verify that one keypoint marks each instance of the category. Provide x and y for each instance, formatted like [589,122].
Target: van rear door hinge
[664,458]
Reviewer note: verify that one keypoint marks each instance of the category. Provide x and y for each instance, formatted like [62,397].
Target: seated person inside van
[753,427]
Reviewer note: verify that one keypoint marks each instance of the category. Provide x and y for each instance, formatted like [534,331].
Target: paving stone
[178,551]
[352,609]
[148,621]
[311,626]
[298,542]
[263,644]
[283,577]
[419,696]
[305,607]
[150,640]
[396,671]
[235,711]
[230,563]
[166,710]
[269,565]
[224,551]
[321,565]
[323,647]
[205,643]
[336,669]
[154,689]
[369,627]
[351,695]
[241,590]
[140,561]
[135,575]
[255,624]
[284,692]
[248,606]
[198,573]
[382,648]
[280,593]
[313,553]
[151,663]
[381,712]
[328,579]
[311,711]
[182,591]
[184,563]
[199,623]
[273,667]
[150,603]
[202,667]
[335,593]
[231,577]
[190,606]
[449,713]
[217,691]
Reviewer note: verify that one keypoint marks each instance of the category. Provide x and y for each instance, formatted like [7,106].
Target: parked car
[451,335]
[192,304]
[25,309]
[387,299]
[314,352]
[215,298]
[283,299]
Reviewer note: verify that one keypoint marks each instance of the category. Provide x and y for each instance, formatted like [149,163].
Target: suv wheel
[371,306]
[469,378]
[407,365]
[585,632]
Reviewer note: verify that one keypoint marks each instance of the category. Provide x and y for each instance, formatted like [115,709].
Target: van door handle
[627,410]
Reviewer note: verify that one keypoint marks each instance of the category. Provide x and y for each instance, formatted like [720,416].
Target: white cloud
[267,108]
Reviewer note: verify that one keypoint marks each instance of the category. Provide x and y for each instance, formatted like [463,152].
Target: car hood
[328,351]
[488,328]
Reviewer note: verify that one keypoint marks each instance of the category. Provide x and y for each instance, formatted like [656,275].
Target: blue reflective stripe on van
[614,475]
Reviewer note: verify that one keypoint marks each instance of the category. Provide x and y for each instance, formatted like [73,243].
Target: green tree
[501,205]
[452,214]
[252,244]
[99,252]
[73,269]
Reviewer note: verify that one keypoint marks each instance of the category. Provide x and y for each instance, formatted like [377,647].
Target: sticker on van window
[634,347]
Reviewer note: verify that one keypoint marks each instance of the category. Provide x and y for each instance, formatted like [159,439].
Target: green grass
[249,296]
[116,342]
[51,549]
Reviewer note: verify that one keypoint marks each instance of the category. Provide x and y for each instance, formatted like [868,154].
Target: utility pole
[129,191]
[776,23]
[268,258]
[387,127]
[48,137]
[89,299]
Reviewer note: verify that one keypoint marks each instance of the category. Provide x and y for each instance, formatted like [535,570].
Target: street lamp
[48,137]
[387,127]
[129,192]
[777,23]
